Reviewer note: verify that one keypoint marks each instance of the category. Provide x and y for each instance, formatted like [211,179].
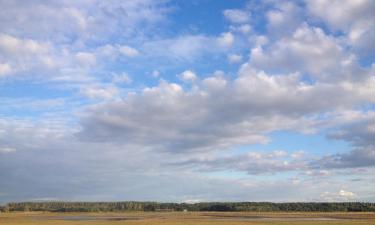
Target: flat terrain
[185,218]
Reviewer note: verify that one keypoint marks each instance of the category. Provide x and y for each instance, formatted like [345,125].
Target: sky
[187,101]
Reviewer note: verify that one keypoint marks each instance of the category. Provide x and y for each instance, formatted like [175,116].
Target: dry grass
[190,218]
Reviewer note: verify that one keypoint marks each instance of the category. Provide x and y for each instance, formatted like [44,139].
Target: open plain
[185,218]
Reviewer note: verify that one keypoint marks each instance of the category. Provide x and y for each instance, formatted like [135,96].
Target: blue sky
[187,101]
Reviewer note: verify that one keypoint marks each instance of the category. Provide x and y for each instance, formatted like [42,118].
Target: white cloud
[29,58]
[12,46]
[243,28]
[284,87]
[113,51]
[128,51]
[346,194]
[261,40]
[234,58]
[341,195]
[355,18]
[73,30]
[342,13]
[26,56]
[284,18]
[85,59]
[107,50]
[122,78]
[65,21]
[81,21]
[188,76]
[216,82]
[242,111]
[98,92]
[5,69]
[226,39]
[308,50]
[237,15]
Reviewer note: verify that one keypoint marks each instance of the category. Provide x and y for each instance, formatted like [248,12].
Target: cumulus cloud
[341,14]
[22,54]
[41,60]
[306,74]
[341,195]
[128,51]
[284,18]
[188,76]
[308,50]
[243,28]
[219,114]
[99,92]
[234,58]
[5,69]
[85,59]
[237,15]
[226,39]
[112,52]
[355,18]
[346,194]
[176,124]
[122,78]
[13,46]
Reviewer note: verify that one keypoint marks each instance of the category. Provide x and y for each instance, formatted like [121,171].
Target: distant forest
[207,206]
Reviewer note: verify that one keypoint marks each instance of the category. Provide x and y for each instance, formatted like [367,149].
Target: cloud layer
[126,101]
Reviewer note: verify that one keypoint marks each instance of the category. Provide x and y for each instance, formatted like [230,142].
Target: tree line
[204,206]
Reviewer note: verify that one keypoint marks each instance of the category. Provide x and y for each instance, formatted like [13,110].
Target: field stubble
[186,218]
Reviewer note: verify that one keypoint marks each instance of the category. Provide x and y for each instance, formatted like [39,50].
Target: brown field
[185,218]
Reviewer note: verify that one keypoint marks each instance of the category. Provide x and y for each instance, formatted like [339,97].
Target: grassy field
[185,218]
